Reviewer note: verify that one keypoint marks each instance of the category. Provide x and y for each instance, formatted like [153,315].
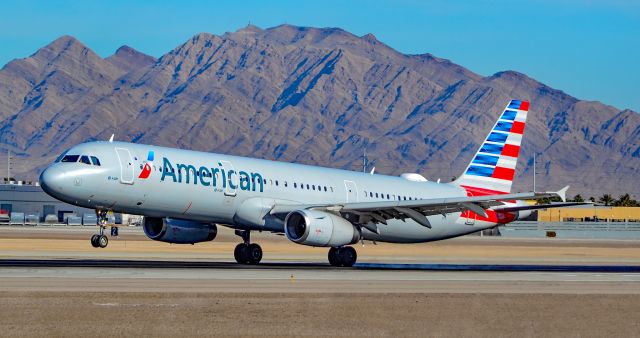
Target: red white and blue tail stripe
[492,169]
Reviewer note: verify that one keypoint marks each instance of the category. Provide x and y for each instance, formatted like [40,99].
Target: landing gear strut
[345,256]
[100,240]
[247,252]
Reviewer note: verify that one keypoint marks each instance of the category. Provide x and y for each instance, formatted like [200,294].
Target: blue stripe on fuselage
[486,159]
[479,171]
[503,126]
[515,104]
[489,148]
[497,137]
[509,115]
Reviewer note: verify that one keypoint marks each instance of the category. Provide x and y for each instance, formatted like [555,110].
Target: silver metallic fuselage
[116,185]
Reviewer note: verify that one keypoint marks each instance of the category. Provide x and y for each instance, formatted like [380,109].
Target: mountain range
[318,96]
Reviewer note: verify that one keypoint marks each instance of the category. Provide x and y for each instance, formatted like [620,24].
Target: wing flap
[417,210]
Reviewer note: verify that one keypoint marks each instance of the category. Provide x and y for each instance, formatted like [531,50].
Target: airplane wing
[417,210]
[540,206]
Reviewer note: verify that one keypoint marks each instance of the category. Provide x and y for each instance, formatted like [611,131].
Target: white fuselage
[238,191]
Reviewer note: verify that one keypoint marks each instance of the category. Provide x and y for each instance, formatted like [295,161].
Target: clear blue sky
[588,48]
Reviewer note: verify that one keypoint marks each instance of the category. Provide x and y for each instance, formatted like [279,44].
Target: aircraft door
[352,191]
[126,165]
[231,177]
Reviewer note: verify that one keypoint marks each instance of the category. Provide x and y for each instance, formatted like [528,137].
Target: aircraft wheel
[334,259]
[348,256]
[103,241]
[254,253]
[94,241]
[240,253]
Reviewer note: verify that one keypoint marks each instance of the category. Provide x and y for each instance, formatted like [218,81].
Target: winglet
[562,193]
[111,138]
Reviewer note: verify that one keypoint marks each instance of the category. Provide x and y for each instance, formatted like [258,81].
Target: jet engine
[179,231]
[319,228]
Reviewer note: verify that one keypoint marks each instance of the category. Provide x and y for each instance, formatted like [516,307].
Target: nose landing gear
[100,240]
[247,252]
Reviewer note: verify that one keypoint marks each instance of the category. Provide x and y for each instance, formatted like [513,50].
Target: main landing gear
[344,256]
[100,240]
[247,252]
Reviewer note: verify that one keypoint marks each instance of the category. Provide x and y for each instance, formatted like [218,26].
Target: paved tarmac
[172,276]
[52,283]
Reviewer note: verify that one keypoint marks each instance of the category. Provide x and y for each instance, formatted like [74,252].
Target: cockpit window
[70,158]
[95,160]
[59,158]
[85,159]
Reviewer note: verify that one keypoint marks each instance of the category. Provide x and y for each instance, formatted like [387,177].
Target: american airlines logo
[146,171]
[215,176]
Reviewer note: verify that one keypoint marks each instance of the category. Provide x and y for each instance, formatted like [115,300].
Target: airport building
[26,203]
[590,213]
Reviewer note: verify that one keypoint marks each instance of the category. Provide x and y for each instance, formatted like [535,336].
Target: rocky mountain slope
[308,95]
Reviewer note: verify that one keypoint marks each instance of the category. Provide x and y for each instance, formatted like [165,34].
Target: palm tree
[606,199]
[625,201]
[578,198]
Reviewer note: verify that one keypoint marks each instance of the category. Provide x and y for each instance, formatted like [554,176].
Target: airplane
[184,195]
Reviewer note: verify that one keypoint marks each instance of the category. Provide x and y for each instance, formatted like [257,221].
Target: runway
[52,282]
[179,276]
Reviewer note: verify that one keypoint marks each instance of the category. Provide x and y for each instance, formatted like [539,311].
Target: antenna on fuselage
[372,170]
[111,138]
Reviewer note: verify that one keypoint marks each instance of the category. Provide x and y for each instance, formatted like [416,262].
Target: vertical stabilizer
[493,167]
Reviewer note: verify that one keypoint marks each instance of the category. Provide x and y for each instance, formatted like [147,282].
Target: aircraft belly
[409,231]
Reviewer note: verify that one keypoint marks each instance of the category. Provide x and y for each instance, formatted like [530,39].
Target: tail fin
[492,169]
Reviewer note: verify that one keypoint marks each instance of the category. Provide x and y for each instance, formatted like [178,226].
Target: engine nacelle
[178,231]
[319,228]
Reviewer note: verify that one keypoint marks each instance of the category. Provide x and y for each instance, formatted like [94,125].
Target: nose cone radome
[52,181]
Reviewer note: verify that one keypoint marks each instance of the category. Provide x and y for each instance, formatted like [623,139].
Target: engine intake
[319,228]
[178,231]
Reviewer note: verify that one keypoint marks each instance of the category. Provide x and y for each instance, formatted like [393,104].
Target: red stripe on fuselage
[492,216]
[517,128]
[510,150]
[503,173]
[475,191]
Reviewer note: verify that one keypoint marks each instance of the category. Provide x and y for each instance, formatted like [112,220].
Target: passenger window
[387,196]
[313,187]
[276,182]
[376,195]
[295,185]
[307,187]
[325,188]
[95,160]
[70,158]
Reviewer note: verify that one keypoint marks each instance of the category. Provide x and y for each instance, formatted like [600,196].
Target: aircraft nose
[52,180]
